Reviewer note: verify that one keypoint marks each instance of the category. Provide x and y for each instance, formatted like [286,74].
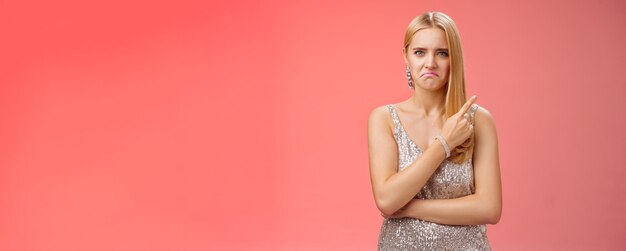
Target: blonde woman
[433,157]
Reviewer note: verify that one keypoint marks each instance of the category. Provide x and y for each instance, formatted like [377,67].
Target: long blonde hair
[455,96]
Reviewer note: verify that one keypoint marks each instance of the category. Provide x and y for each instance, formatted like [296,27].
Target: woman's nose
[430,61]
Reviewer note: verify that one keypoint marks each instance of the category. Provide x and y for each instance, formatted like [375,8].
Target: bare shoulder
[484,123]
[380,110]
[382,147]
[380,126]
[380,116]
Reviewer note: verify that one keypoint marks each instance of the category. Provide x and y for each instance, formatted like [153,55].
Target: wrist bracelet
[445,145]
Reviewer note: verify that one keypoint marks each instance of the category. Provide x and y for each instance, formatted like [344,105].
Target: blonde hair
[455,96]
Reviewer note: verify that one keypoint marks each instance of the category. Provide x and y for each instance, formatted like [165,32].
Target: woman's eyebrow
[424,49]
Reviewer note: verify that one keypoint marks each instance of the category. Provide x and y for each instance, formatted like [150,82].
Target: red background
[194,125]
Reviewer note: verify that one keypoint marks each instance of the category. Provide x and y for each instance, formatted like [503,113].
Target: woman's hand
[457,128]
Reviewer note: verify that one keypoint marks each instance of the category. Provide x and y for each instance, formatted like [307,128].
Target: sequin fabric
[450,180]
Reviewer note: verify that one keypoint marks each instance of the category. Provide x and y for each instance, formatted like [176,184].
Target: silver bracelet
[445,145]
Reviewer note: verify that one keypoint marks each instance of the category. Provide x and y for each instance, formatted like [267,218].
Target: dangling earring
[408,76]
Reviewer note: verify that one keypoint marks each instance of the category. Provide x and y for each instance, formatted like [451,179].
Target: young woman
[433,157]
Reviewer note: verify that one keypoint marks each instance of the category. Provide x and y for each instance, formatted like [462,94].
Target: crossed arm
[482,207]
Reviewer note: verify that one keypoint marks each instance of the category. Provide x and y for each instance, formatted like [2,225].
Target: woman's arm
[482,207]
[392,190]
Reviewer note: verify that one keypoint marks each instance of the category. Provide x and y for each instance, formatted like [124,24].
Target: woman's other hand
[457,128]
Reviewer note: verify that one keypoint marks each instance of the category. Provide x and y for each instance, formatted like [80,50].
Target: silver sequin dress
[450,180]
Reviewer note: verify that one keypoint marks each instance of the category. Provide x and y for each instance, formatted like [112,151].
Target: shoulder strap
[472,111]
[394,114]
[396,121]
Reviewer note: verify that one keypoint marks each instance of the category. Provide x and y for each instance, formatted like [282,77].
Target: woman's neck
[429,103]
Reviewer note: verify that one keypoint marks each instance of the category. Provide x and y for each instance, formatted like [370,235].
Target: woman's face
[428,59]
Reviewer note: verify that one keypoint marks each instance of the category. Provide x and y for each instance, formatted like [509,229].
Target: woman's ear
[406,61]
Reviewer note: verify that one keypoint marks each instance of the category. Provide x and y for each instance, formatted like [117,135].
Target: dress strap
[396,121]
[472,111]
[394,114]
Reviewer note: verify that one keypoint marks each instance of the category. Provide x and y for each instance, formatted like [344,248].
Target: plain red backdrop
[241,125]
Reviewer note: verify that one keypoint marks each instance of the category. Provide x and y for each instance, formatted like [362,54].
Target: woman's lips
[430,74]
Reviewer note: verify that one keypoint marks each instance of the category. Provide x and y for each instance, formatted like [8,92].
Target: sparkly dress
[450,180]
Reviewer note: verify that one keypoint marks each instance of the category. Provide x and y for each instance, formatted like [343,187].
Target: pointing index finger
[468,104]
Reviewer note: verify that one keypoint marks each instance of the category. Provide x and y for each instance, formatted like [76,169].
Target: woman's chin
[432,86]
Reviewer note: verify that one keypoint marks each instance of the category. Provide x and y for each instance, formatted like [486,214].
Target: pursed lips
[431,73]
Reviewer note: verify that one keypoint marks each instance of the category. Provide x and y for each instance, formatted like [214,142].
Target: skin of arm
[482,207]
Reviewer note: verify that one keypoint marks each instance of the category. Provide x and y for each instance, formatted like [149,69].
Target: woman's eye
[419,52]
[443,53]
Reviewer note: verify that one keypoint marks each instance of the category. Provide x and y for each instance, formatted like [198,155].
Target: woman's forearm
[400,188]
[466,210]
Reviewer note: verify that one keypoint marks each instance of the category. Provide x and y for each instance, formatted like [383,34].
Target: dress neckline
[420,149]
[404,131]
